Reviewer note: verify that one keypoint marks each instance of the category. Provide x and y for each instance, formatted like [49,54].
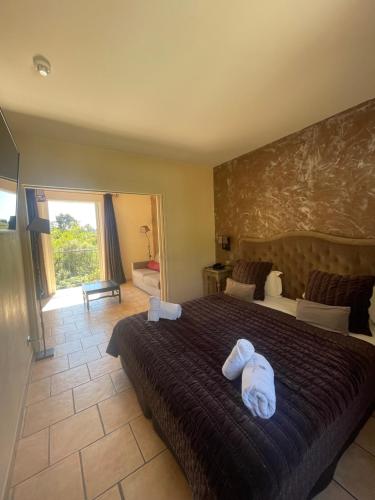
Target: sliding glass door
[75,242]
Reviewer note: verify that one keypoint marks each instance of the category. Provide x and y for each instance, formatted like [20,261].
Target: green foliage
[75,250]
[65,222]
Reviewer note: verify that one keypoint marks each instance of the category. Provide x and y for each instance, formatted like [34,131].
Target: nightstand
[214,280]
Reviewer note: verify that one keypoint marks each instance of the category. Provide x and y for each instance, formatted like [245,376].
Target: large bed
[324,385]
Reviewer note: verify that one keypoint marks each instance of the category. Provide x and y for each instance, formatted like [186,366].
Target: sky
[7,205]
[84,212]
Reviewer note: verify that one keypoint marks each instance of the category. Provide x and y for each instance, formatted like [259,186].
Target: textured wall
[319,179]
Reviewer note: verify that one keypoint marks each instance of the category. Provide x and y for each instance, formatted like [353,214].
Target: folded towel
[237,359]
[153,308]
[258,387]
[160,309]
[168,310]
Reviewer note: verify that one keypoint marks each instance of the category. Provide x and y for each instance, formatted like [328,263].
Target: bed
[324,385]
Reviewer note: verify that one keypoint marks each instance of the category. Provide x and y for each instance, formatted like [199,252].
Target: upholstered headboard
[297,253]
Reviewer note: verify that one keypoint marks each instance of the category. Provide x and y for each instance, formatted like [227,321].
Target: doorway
[74,252]
[75,242]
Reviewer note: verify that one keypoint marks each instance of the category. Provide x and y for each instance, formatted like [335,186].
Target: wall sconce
[224,242]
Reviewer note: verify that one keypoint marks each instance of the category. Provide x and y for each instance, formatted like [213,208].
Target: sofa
[146,279]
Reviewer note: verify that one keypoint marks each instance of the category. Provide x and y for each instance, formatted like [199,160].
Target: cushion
[241,291]
[333,318]
[141,273]
[154,265]
[152,279]
[273,286]
[245,271]
[339,290]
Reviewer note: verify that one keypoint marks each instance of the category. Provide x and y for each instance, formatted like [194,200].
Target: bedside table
[214,280]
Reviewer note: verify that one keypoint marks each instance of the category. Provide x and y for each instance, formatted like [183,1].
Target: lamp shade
[144,229]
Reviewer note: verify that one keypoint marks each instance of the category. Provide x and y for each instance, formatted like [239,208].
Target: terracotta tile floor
[84,436]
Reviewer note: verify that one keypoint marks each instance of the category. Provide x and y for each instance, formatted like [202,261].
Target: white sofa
[146,279]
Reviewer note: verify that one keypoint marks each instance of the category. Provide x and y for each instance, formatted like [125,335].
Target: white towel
[258,387]
[237,359]
[160,309]
[153,308]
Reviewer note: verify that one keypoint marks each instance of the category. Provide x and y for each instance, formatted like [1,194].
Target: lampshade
[144,229]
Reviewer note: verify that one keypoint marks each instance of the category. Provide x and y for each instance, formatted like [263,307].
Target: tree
[75,249]
[66,222]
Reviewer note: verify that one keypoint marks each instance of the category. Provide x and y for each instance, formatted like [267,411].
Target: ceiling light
[42,65]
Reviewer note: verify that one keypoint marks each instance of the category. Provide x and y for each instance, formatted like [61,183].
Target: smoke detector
[42,65]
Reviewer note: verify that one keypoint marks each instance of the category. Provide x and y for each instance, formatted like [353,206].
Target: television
[9,159]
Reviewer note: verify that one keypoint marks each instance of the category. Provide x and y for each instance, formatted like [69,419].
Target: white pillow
[273,286]
[243,291]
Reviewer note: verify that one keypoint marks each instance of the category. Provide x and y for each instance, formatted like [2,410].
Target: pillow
[152,264]
[371,310]
[254,273]
[241,291]
[273,286]
[338,290]
[333,318]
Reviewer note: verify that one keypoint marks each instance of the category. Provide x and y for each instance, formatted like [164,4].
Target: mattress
[324,386]
[289,306]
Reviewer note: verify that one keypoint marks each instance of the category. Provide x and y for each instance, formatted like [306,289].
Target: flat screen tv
[9,158]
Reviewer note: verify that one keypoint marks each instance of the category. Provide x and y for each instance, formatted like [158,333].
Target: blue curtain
[113,263]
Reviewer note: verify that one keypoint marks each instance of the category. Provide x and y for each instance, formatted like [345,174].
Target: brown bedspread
[324,387]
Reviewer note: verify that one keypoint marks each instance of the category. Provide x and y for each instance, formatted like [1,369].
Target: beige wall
[15,354]
[132,211]
[187,197]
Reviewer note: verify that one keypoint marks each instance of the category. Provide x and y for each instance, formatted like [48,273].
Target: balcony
[76,266]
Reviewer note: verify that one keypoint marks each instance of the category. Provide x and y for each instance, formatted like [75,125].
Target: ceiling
[198,81]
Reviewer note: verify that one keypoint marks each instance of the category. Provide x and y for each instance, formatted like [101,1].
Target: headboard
[297,253]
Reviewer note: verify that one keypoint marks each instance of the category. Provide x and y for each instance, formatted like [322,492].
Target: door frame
[67,196]
[161,224]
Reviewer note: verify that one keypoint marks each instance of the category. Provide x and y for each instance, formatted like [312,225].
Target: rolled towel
[237,359]
[258,387]
[153,308]
[160,309]
[169,310]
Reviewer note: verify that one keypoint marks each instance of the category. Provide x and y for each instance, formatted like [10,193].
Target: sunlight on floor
[70,301]
[66,297]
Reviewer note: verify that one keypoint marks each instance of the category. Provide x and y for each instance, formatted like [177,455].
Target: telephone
[218,266]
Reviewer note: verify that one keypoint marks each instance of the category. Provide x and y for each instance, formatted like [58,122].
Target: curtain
[113,264]
[36,247]
[47,251]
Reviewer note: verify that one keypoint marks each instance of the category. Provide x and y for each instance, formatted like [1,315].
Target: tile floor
[84,436]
